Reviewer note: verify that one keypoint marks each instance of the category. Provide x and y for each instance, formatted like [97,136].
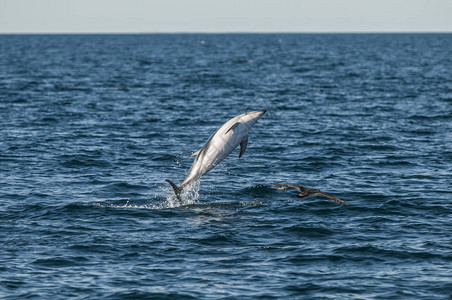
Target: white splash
[189,195]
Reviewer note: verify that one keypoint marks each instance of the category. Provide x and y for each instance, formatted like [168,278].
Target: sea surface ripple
[91,125]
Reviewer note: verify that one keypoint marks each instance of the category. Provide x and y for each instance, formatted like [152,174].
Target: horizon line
[221,32]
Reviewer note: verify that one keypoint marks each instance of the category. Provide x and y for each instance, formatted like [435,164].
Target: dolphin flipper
[176,189]
[232,127]
[243,144]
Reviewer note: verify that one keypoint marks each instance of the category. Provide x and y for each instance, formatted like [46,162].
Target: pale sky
[152,16]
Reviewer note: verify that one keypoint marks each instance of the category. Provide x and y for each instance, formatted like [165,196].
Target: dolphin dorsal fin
[194,154]
[232,127]
[243,144]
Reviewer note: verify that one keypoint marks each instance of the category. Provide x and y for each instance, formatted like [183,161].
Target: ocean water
[92,125]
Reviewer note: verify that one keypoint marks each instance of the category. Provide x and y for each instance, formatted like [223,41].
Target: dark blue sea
[92,125]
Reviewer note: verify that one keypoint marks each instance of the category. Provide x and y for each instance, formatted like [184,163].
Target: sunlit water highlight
[92,125]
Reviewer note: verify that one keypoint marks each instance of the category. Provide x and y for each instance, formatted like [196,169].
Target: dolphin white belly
[233,133]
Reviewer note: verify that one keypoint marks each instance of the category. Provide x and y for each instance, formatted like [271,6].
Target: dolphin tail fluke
[176,189]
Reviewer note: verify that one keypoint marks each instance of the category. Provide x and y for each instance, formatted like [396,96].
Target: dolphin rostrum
[233,133]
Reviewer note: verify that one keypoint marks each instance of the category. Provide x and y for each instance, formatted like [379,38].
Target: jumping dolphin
[233,133]
[304,191]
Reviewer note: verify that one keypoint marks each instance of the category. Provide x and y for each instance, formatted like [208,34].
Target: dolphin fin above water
[194,154]
[233,133]
[243,144]
[176,189]
[232,127]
